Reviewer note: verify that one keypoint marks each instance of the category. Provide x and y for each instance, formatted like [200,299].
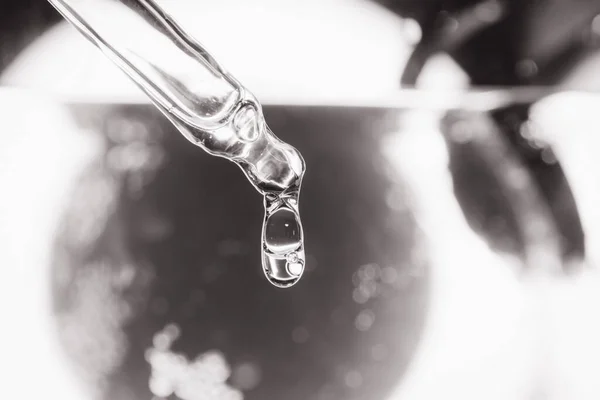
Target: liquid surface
[208,106]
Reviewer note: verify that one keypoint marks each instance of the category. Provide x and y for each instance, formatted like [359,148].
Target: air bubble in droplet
[295,269]
[246,123]
[364,320]
[292,257]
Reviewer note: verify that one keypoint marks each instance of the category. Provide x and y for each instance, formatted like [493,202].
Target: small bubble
[125,276]
[159,359]
[369,271]
[295,269]
[364,320]
[412,30]
[300,335]
[245,123]
[161,341]
[246,376]
[353,379]
[451,25]
[161,387]
[538,144]
[527,130]
[548,156]
[527,68]
[359,296]
[148,355]
[292,257]
[232,395]
[172,331]
[122,130]
[369,288]
[389,275]
[215,365]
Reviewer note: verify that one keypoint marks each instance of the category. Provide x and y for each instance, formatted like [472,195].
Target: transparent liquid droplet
[283,240]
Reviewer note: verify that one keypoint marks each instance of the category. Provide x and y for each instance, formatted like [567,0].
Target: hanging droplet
[283,244]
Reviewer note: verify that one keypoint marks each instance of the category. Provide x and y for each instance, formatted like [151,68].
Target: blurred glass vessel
[129,261]
[351,327]
[151,266]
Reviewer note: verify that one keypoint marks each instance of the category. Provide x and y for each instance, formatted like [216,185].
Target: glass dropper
[208,106]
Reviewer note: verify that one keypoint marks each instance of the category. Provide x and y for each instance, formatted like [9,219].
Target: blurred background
[449,207]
